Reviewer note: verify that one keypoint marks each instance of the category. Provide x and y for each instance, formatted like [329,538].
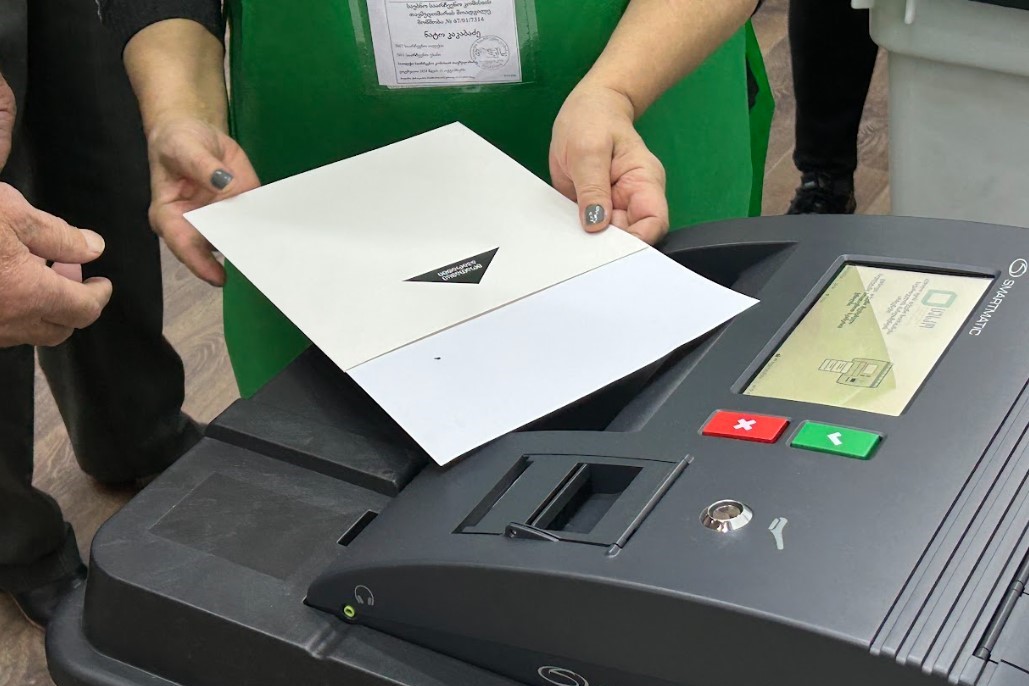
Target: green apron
[304,93]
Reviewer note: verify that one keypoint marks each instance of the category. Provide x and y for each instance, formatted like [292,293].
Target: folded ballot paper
[457,288]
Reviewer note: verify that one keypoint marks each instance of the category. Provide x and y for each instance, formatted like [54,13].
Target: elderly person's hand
[599,160]
[38,305]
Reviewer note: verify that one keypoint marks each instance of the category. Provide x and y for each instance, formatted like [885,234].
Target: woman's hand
[596,156]
[599,160]
[177,70]
[192,164]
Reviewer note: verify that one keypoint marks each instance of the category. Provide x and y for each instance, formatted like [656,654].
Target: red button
[747,427]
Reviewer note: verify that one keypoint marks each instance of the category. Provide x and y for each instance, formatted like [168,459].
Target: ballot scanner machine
[830,489]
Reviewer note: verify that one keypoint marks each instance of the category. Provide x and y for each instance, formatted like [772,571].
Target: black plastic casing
[908,568]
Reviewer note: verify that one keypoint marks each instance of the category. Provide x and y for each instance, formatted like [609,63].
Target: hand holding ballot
[599,160]
[480,322]
[176,68]
[192,164]
[176,71]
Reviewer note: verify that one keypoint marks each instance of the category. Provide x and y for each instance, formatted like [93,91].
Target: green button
[825,438]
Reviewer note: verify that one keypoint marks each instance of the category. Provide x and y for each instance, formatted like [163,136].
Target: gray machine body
[307,541]
[892,566]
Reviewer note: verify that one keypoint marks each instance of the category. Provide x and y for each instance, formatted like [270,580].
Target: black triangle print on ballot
[468,270]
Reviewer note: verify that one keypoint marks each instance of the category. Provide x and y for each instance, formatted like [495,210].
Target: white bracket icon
[776,527]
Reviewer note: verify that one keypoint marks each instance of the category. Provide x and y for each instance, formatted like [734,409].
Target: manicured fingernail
[94,241]
[594,214]
[220,179]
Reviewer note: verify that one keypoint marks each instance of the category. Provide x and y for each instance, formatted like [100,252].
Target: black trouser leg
[833,60]
[119,384]
[36,546]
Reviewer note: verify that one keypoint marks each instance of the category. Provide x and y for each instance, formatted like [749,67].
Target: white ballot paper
[457,288]
[445,42]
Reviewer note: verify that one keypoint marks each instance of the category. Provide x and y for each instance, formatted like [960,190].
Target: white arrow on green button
[836,440]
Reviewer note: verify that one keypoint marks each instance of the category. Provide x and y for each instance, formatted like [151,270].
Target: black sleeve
[128,17]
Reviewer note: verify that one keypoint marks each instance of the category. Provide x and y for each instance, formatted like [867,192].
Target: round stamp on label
[491,52]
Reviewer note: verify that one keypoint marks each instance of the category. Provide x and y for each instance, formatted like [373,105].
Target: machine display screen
[871,339]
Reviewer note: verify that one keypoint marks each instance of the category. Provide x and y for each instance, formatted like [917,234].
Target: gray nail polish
[594,214]
[220,179]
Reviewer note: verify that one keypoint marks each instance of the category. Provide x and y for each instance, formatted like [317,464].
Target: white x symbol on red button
[745,424]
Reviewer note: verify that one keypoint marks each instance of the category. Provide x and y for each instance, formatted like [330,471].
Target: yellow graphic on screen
[871,339]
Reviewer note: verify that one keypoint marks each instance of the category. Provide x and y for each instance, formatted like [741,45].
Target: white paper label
[445,42]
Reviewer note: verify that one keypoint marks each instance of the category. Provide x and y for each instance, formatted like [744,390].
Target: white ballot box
[959,106]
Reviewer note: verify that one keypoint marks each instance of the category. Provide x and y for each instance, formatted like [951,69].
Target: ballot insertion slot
[573,498]
[587,496]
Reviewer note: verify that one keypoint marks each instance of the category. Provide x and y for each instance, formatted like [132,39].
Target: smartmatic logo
[468,270]
[559,676]
[1018,268]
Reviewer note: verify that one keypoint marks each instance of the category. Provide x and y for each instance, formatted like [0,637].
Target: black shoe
[190,436]
[141,482]
[824,194]
[39,604]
